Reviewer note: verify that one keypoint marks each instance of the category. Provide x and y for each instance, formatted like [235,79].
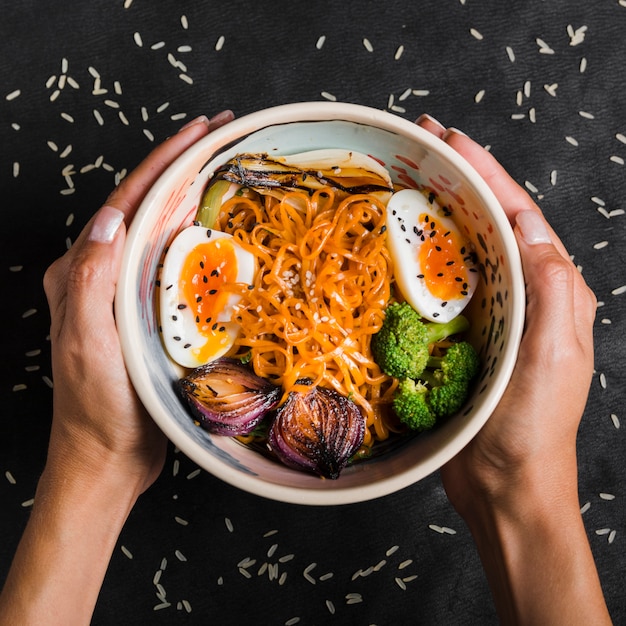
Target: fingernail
[424,117]
[201,119]
[532,227]
[222,118]
[453,131]
[106,224]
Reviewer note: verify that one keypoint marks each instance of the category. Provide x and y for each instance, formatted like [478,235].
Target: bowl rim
[238,129]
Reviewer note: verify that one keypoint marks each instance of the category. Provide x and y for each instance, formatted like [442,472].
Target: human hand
[532,433]
[98,422]
[516,484]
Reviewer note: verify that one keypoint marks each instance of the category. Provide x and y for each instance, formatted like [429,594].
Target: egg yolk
[207,269]
[441,259]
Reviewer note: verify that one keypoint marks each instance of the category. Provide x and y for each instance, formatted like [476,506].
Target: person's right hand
[516,483]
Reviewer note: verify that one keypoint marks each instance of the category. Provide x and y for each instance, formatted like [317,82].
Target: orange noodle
[323,282]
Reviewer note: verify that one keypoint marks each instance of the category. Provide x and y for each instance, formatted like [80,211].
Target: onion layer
[227,398]
[317,431]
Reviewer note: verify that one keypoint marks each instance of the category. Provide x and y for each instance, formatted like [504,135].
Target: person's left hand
[98,422]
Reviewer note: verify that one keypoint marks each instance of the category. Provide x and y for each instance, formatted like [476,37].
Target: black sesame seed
[199,299]
[197,319]
[458,279]
[187,345]
[208,320]
[214,327]
[212,291]
[438,248]
[176,338]
[205,279]
[215,272]
[168,287]
[420,275]
[439,274]
[383,228]
[174,317]
[444,304]
[450,263]
[202,264]
[222,329]
[403,228]
[180,307]
[157,283]
[463,292]
[435,314]
[209,232]
[250,286]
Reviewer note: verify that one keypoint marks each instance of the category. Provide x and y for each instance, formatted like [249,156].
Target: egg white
[183,339]
[404,242]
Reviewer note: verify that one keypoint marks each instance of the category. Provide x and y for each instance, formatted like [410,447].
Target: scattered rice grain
[180,556]
[619,290]
[47,381]
[28,503]
[571,140]
[292,621]
[367,45]
[127,552]
[479,96]
[353,598]
[320,42]
[181,521]
[583,65]
[148,134]
[138,40]
[615,420]
[229,524]
[14,94]
[328,96]
[405,563]
[98,117]
[399,52]
[510,54]
[606,496]
[10,477]
[330,606]
[19,387]
[307,572]
[31,312]
[476,34]
[585,507]
[392,550]
[617,159]
[600,245]
[162,605]
[219,44]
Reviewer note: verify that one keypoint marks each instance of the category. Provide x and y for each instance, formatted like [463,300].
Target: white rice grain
[320,42]
[292,622]
[193,474]
[98,117]
[479,96]
[127,553]
[611,536]
[544,48]
[617,159]
[551,89]
[368,45]
[186,78]
[10,477]
[229,524]
[14,94]
[603,380]
[19,387]
[476,34]
[219,44]
[138,40]
[181,521]
[606,496]
[392,550]
[571,140]
[330,606]
[353,598]
[307,572]
[585,507]
[619,290]
[510,54]
[600,245]
[615,420]
[16,169]
[29,313]
[583,65]
[148,134]
[328,96]
[400,583]
[399,52]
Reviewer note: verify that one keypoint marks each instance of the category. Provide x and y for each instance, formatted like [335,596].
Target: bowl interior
[415,159]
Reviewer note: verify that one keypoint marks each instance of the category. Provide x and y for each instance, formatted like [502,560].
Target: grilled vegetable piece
[318,430]
[227,398]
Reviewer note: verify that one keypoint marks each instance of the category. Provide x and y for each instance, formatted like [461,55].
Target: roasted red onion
[227,398]
[317,430]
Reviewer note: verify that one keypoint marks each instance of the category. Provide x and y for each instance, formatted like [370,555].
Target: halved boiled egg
[196,305]
[434,263]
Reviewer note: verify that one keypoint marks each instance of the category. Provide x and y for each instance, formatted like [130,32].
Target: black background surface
[540,82]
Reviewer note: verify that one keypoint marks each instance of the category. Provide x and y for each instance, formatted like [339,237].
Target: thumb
[560,307]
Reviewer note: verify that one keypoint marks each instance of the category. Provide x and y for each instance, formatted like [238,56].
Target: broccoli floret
[459,363]
[447,399]
[411,406]
[400,347]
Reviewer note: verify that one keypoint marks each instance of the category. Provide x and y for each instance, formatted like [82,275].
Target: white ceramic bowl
[413,157]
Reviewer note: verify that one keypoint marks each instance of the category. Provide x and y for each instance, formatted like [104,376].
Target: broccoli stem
[437,331]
